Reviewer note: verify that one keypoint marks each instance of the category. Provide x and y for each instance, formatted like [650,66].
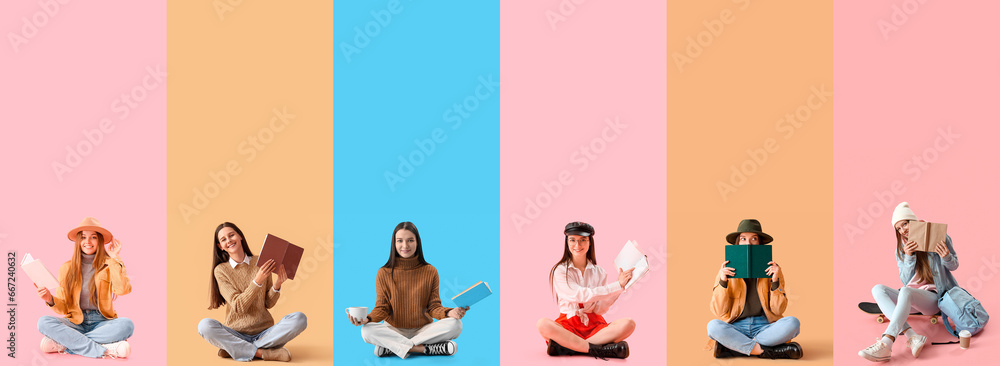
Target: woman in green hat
[751,323]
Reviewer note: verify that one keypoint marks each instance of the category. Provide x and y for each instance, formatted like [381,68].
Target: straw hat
[90,224]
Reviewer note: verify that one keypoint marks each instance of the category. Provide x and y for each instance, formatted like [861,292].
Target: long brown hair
[215,298]
[74,276]
[923,267]
[567,258]
[418,253]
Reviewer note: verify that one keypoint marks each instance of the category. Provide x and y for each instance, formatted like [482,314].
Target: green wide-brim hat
[749,226]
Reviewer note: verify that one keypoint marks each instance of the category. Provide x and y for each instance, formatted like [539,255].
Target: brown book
[282,252]
[927,234]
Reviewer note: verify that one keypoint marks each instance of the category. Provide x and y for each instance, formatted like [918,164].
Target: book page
[927,234]
[631,257]
[38,274]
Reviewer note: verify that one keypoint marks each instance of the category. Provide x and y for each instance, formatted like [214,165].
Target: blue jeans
[742,335]
[897,305]
[242,347]
[86,338]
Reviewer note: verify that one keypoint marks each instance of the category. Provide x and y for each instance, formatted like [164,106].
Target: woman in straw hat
[88,283]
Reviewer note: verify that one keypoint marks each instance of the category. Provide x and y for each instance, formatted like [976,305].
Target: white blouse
[582,293]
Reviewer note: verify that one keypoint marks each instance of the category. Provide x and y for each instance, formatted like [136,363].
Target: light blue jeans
[86,338]
[742,335]
[242,347]
[897,305]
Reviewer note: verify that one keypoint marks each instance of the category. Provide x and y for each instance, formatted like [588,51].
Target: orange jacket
[111,280]
[728,302]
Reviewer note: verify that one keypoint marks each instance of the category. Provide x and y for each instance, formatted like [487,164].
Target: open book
[631,257]
[749,261]
[38,273]
[472,295]
[282,252]
[927,234]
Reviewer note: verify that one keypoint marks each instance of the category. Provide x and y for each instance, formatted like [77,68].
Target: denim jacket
[941,268]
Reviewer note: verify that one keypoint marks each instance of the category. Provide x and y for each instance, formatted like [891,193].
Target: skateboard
[872,308]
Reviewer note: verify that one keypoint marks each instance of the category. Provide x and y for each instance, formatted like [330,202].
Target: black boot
[556,349]
[610,350]
[723,352]
[790,350]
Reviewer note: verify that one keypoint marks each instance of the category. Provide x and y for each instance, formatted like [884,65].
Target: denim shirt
[941,268]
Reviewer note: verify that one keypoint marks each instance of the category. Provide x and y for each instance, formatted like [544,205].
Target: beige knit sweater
[246,303]
[409,297]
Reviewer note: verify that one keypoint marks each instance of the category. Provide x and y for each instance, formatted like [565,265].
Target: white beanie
[902,212]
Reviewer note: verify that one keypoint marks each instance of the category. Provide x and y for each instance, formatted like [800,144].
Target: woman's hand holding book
[624,276]
[45,295]
[264,272]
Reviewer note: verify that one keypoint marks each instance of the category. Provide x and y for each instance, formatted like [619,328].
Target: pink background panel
[915,121]
[559,87]
[68,77]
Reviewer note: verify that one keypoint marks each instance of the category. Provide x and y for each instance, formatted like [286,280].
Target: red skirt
[595,323]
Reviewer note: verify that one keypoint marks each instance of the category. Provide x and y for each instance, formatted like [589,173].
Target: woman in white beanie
[925,276]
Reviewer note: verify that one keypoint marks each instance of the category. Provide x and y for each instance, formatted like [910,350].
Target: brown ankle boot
[275,354]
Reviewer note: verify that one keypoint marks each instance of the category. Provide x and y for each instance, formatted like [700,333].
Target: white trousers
[400,340]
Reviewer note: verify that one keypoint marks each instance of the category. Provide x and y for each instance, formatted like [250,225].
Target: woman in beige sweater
[248,292]
[407,299]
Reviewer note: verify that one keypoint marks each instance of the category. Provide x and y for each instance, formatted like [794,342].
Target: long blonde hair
[74,276]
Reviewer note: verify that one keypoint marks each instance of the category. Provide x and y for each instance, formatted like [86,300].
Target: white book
[38,273]
[631,257]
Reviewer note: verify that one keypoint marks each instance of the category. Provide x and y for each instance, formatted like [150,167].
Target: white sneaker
[916,343]
[119,349]
[878,352]
[50,346]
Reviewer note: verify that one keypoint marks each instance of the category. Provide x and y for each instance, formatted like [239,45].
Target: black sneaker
[724,352]
[382,351]
[441,349]
[556,349]
[610,350]
[790,350]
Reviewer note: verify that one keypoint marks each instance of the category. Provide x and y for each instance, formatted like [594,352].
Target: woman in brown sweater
[407,299]
[248,293]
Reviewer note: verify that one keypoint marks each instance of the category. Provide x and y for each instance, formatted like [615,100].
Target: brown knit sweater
[409,297]
[246,303]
